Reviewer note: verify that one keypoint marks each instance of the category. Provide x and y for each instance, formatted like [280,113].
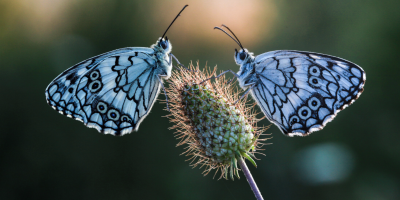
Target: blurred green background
[45,155]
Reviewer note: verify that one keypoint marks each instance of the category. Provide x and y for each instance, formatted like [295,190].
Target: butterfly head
[242,56]
[163,45]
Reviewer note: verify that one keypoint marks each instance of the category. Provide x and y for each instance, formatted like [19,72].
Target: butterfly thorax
[164,65]
[162,50]
[247,75]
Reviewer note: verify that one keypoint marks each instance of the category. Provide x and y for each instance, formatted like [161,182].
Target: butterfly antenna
[233,35]
[228,35]
[179,14]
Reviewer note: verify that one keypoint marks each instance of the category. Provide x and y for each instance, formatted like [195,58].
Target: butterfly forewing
[112,92]
[302,91]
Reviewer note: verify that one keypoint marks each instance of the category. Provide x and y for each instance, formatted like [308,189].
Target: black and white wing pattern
[302,91]
[112,92]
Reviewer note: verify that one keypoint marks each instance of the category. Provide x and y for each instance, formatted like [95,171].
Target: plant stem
[249,178]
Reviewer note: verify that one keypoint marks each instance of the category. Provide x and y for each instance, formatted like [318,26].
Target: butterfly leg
[166,97]
[246,93]
[231,80]
[221,75]
[176,59]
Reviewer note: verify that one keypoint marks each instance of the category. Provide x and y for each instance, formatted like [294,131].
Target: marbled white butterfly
[113,92]
[298,91]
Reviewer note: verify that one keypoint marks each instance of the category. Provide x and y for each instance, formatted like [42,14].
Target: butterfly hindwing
[302,91]
[112,95]
[60,92]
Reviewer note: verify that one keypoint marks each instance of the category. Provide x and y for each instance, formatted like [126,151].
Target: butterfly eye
[163,45]
[242,56]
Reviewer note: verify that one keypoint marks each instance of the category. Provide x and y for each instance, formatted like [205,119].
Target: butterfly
[113,92]
[298,91]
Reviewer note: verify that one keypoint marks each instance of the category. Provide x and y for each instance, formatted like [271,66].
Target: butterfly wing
[112,92]
[302,91]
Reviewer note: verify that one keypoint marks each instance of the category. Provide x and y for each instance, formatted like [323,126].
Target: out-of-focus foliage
[44,155]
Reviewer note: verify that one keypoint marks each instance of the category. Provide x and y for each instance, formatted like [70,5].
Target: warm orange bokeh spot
[250,20]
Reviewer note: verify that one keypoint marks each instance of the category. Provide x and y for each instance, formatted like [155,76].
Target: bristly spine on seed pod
[216,130]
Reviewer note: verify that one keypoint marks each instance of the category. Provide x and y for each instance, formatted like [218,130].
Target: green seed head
[220,128]
[216,129]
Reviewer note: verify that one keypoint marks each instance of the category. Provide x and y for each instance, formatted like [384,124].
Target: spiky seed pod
[215,129]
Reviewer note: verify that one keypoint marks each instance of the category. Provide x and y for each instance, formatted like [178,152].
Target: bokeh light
[41,19]
[323,163]
[250,20]
[45,155]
